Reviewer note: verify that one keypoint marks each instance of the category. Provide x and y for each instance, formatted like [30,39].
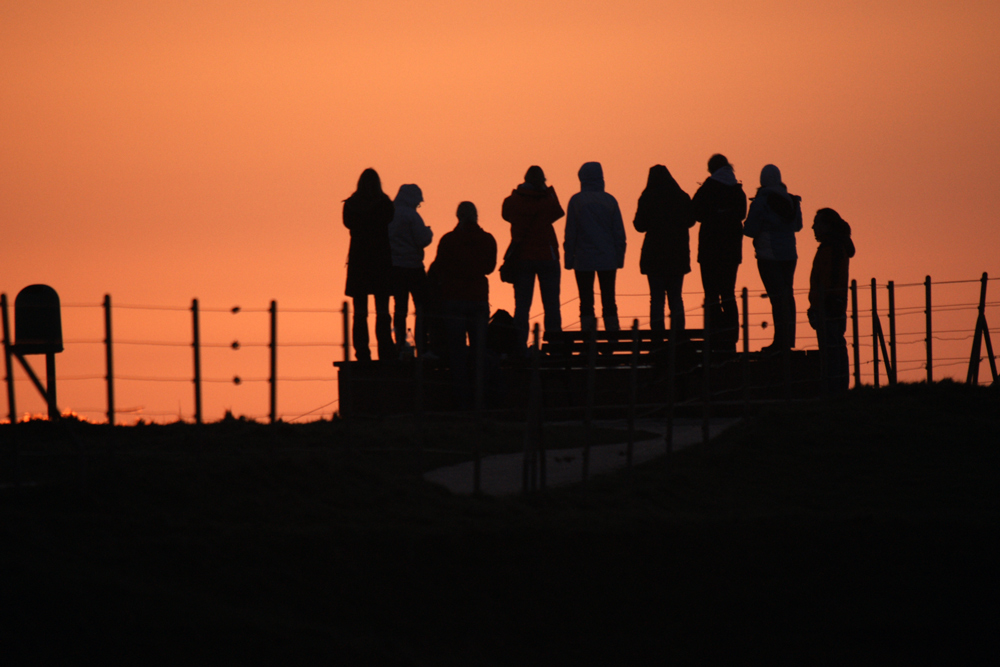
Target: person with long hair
[774,218]
[664,215]
[531,209]
[367,214]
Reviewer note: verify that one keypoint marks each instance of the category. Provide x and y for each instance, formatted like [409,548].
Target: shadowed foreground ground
[863,529]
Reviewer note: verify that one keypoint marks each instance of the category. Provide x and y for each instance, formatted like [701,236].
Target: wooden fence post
[633,390]
[891,366]
[706,361]
[11,403]
[196,344]
[273,379]
[344,381]
[875,332]
[746,353]
[930,336]
[591,390]
[109,360]
[854,326]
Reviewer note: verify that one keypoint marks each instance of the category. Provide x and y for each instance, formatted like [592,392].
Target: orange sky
[202,149]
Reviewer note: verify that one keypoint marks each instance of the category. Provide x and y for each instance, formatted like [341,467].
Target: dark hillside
[862,529]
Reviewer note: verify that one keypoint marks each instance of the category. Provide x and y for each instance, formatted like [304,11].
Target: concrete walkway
[502,474]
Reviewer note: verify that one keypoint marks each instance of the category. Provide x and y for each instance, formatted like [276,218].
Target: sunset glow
[175,150]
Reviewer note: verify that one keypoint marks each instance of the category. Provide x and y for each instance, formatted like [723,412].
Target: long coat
[665,215]
[369,258]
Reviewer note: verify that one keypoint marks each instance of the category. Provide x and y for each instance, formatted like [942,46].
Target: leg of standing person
[401,300]
[770,275]
[609,307]
[359,329]
[657,300]
[788,269]
[585,287]
[524,294]
[458,351]
[675,296]
[713,294]
[417,289]
[549,276]
[383,327]
[729,316]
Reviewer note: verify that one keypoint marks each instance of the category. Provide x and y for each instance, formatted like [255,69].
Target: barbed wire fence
[935,331]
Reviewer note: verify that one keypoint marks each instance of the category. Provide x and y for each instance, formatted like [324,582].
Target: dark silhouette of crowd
[451,298]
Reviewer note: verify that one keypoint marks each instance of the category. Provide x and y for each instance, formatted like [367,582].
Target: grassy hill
[862,528]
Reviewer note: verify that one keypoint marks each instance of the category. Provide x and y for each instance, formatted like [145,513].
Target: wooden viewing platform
[579,369]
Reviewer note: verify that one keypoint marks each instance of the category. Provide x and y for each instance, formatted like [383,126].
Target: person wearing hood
[465,256]
[594,243]
[367,214]
[720,206]
[664,215]
[774,218]
[531,209]
[828,295]
[408,236]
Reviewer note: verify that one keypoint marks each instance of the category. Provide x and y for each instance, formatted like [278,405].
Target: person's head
[591,176]
[717,162]
[409,195]
[828,225]
[369,183]
[659,176]
[770,176]
[467,213]
[535,177]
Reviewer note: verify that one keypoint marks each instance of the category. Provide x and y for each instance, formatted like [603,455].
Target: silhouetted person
[828,294]
[720,206]
[408,236]
[594,243]
[531,209]
[465,256]
[367,213]
[774,218]
[665,215]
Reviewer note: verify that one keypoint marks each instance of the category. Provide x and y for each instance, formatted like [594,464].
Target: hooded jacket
[720,206]
[595,232]
[664,214]
[369,258]
[531,212]
[830,273]
[774,218]
[408,235]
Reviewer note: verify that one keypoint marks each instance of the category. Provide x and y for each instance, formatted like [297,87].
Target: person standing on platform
[595,244]
[774,218]
[367,214]
[531,209]
[664,215]
[720,205]
[408,236]
[465,256]
[828,295]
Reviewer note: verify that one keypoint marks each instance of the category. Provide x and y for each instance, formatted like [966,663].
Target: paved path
[502,474]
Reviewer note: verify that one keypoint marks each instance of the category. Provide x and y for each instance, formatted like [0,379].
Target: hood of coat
[726,175]
[409,195]
[591,177]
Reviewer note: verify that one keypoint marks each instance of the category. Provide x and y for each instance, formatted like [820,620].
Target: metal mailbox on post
[37,330]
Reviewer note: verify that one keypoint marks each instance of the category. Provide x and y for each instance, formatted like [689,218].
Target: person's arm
[569,243]
[754,218]
[422,234]
[618,228]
